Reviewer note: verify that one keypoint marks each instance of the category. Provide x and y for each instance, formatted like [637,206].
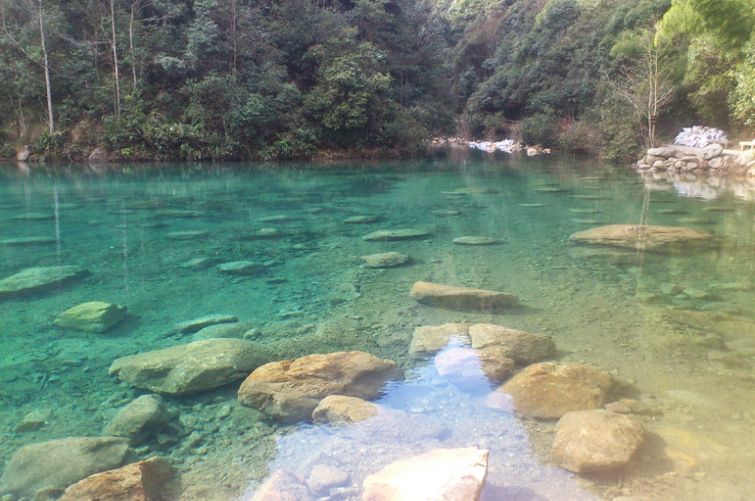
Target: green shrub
[540,128]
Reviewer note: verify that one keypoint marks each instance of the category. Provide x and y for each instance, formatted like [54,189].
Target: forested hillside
[232,79]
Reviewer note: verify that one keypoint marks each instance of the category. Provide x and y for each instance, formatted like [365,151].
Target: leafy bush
[541,128]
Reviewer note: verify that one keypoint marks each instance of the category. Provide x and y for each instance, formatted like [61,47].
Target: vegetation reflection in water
[674,328]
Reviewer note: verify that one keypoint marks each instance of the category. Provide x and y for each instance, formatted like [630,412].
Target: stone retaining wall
[711,160]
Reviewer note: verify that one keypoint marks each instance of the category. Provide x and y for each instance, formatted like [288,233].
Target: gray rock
[59,463]
[231,330]
[38,279]
[189,368]
[241,268]
[28,241]
[93,316]
[140,419]
[200,323]
[386,260]
[187,235]
[33,420]
[365,219]
[476,240]
[400,234]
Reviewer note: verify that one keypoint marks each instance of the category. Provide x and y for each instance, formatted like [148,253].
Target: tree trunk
[131,44]
[117,101]
[50,118]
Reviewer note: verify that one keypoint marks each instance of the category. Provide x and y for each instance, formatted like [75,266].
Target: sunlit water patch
[275,257]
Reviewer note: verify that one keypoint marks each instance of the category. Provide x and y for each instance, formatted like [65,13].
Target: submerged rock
[340,409]
[290,390]
[94,316]
[440,474]
[56,464]
[462,364]
[549,390]
[142,481]
[401,234]
[232,330]
[596,440]
[38,279]
[241,268]
[33,420]
[187,235]
[282,485]
[630,236]
[200,323]
[322,478]
[451,296]
[364,219]
[429,339]
[386,260]
[189,368]
[199,263]
[522,347]
[140,419]
[476,240]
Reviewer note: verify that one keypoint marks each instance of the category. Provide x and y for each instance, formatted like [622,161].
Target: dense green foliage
[271,79]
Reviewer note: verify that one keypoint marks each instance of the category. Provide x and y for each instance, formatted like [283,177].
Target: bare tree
[46,65]
[116,76]
[646,84]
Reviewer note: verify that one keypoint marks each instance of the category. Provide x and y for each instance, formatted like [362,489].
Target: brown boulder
[630,236]
[522,347]
[338,409]
[142,481]
[550,390]
[442,474]
[467,363]
[291,389]
[429,339]
[596,440]
[463,298]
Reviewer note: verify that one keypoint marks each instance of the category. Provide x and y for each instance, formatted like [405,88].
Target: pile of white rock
[699,136]
[505,145]
[710,160]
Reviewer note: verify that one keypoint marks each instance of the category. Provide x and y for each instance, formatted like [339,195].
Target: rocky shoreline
[711,160]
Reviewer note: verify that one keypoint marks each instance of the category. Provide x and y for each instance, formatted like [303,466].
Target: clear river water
[676,330]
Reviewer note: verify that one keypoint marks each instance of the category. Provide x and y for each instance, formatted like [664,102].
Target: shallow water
[651,319]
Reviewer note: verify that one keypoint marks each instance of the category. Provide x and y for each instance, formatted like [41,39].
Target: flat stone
[187,235]
[28,241]
[33,420]
[400,234]
[476,240]
[56,464]
[189,368]
[549,189]
[38,279]
[179,213]
[282,485]
[290,390]
[596,440]
[531,205]
[463,364]
[471,190]
[464,298]
[340,409]
[446,212]
[140,419]
[230,330]
[322,478]
[520,346]
[199,263]
[93,316]
[241,268]
[429,339]
[549,390]
[638,237]
[142,481]
[267,233]
[440,474]
[200,323]
[386,260]
[365,219]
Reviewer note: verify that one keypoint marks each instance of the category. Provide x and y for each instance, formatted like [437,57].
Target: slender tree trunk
[131,44]
[234,34]
[50,117]
[117,102]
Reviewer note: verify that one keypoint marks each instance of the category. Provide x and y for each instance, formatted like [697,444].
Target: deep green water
[609,308]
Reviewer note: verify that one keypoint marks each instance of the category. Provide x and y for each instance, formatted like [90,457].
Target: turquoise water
[651,319]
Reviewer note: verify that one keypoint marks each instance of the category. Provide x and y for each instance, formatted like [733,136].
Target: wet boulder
[642,237]
[142,481]
[429,339]
[462,298]
[290,390]
[522,347]
[140,419]
[549,390]
[39,279]
[340,409]
[189,368]
[596,440]
[56,464]
[449,474]
[93,316]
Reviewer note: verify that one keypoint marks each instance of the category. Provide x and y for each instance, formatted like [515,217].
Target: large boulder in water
[447,474]
[290,390]
[93,316]
[338,409]
[463,298]
[189,368]
[38,279]
[522,347]
[642,237]
[429,339]
[142,481]
[59,463]
[140,419]
[596,440]
[549,390]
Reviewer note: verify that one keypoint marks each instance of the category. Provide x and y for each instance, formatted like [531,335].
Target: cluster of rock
[700,136]
[504,145]
[712,159]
